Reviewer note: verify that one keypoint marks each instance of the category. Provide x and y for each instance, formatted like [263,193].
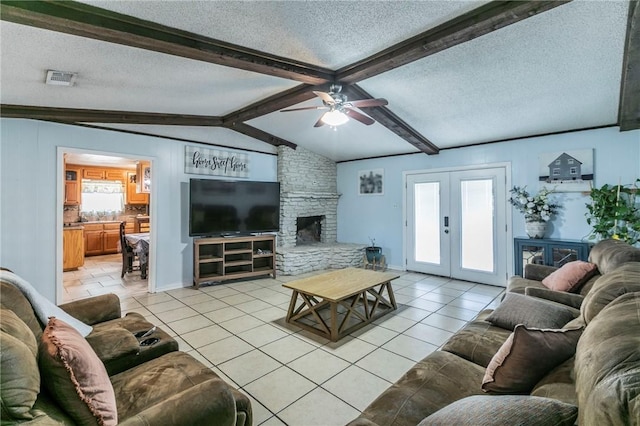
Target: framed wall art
[371,182]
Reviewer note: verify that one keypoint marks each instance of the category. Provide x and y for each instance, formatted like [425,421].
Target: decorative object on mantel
[614,213]
[537,209]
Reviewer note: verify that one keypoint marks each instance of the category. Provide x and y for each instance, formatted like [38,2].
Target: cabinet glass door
[562,255]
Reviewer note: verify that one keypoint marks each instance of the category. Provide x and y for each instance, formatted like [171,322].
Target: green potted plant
[614,213]
[537,209]
[373,252]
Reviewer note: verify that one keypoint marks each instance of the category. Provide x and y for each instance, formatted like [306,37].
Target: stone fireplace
[308,215]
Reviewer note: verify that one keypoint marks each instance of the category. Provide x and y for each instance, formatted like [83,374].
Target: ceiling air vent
[61,78]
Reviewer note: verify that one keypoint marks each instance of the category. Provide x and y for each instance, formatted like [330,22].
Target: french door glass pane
[427,222]
[477,227]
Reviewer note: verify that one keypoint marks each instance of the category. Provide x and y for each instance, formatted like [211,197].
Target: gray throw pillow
[480,410]
[532,312]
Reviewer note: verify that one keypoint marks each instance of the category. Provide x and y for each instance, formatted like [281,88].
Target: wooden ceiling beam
[629,108]
[480,21]
[89,21]
[263,136]
[274,103]
[74,115]
[395,124]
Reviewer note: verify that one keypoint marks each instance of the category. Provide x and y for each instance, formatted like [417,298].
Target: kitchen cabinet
[101,238]
[102,173]
[72,248]
[141,224]
[72,191]
[133,196]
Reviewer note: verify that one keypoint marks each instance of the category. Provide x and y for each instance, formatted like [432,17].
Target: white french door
[456,224]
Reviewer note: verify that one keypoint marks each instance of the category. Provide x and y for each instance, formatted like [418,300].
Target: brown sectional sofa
[153,385]
[602,380]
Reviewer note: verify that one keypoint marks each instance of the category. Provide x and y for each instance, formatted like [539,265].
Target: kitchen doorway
[457,224]
[96,192]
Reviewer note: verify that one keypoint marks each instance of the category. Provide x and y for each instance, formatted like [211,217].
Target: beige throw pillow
[526,357]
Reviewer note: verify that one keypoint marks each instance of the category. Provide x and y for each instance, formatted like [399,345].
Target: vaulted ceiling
[455,73]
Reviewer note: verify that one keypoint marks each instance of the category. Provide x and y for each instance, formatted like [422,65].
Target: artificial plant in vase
[537,209]
[614,213]
[373,252]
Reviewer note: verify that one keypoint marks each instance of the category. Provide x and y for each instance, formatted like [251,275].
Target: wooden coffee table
[339,302]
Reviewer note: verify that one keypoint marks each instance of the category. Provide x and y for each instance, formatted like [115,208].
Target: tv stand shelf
[224,258]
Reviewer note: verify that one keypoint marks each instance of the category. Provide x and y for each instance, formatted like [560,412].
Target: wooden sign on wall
[215,162]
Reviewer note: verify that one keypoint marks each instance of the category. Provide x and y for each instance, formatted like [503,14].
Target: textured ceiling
[556,71]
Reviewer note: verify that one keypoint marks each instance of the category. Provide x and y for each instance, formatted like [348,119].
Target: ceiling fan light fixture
[334,118]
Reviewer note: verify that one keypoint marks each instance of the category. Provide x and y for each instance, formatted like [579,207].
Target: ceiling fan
[340,109]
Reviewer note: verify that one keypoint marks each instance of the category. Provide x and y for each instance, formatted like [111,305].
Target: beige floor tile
[248,367]
[152,299]
[225,349]
[318,365]
[287,349]
[444,322]
[176,314]
[260,413]
[395,323]
[237,299]
[403,299]
[196,297]
[165,306]
[349,348]
[409,347]
[261,335]
[459,313]
[374,334]
[189,324]
[468,304]
[224,314]
[205,336]
[411,312]
[240,324]
[279,388]
[448,291]
[270,314]
[273,421]
[356,387]
[252,306]
[476,297]
[429,334]
[219,291]
[194,353]
[318,408]
[425,304]
[277,299]
[438,297]
[388,365]
[209,306]
[489,290]
[410,291]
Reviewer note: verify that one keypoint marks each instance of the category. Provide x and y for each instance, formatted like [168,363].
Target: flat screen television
[218,207]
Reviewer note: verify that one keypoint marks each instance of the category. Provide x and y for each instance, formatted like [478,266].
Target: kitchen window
[100,197]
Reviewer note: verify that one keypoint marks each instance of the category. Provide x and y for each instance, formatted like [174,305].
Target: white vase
[535,229]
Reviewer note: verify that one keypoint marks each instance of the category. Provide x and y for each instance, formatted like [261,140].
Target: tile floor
[291,376]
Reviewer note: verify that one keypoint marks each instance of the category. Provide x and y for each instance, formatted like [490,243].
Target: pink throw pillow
[571,275]
[75,376]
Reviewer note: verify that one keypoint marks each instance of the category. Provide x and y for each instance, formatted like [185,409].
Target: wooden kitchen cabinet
[102,173]
[134,197]
[110,238]
[93,239]
[72,249]
[72,190]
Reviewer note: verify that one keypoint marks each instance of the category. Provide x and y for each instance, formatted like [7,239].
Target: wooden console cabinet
[220,259]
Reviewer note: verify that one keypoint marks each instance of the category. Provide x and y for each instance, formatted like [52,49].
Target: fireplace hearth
[309,230]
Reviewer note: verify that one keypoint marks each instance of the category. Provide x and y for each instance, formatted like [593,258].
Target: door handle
[446,221]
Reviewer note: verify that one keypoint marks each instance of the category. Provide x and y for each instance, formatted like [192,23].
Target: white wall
[28,186]
[616,157]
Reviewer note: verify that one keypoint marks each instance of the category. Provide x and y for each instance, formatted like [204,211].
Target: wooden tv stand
[227,258]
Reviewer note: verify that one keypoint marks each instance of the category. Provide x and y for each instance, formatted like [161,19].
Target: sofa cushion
[12,299]
[477,342]
[558,384]
[14,326]
[571,275]
[607,366]
[568,299]
[625,279]
[526,356]
[532,312]
[484,410]
[75,376]
[148,384]
[20,378]
[608,255]
[435,382]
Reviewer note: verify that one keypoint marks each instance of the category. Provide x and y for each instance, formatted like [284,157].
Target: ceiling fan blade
[303,108]
[325,97]
[319,122]
[364,103]
[364,119]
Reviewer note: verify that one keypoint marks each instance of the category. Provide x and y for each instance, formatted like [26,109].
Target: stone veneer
[308,187]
